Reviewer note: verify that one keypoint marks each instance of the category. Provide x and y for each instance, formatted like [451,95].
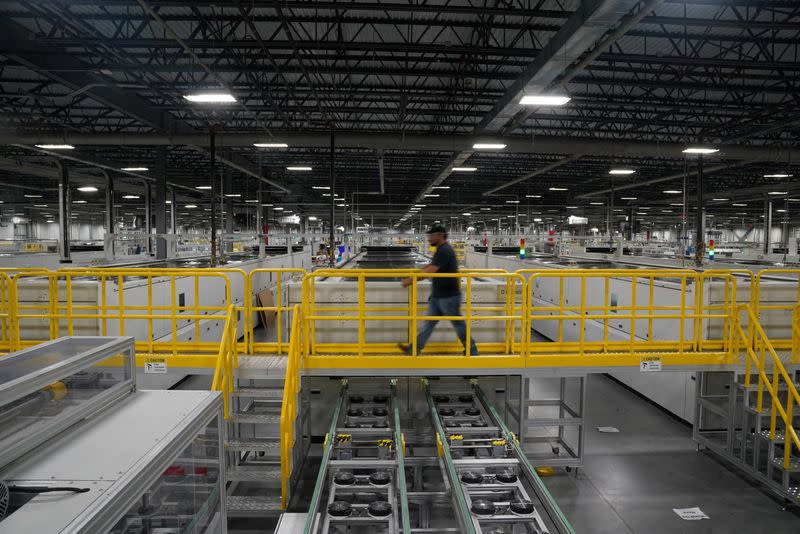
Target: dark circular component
[472,412]
[506,477]
[356,399]
[339,509]
[441,398]
[380,399]
[380,478]
[483,507]
[355,412]
[465,398]
[380,412]
[344,478]
[471,477]
[380,424]
[446,412]
[379,509]
[479,424]
[522,507]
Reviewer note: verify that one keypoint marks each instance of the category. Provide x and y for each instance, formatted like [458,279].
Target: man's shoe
[405,348]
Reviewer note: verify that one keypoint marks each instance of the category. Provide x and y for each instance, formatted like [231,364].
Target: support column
[227,189]
[700,220]
[331,252]
[214,188]
[629,235]
[148,216]
[64,215]
[161,202]
[259,224]
[766,249]
[108,241]
[173,221]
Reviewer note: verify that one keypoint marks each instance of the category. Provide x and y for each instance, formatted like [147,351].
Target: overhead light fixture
[32,196]
[441,187]
[233,195]
[431,195]
[299,168]
[130,197]
[739,205]
[420,205]
[778,193]
[252,201]
[629,198]
[203,187]
[210,98]
[537,219]
[621,171]
[56,147]
[40,205]
[781,211]
[512,201]
[557,188]
[700,150]
[533,196]
[270,145]
[79,202]
[87,189]
[486,209]
[278,209]
[466,214]
[135,169]
[571,207]
[778,175]
[720,199]
[488,146]
[544,100]
[341,205]
[267,205]
[190,206]
[465,169]
[321,187]
[676,204]
[672,192]
[167,202]
[596,203]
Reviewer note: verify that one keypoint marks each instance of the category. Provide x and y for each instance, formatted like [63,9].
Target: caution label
[156,366]
[649,364]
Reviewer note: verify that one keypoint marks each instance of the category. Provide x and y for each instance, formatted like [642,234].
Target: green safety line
[552,508]
[400,452]
[323,467]
[458,491]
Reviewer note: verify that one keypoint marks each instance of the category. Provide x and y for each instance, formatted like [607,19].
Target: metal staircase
[253,447]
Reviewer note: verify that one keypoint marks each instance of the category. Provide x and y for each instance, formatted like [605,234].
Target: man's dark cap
[437,229]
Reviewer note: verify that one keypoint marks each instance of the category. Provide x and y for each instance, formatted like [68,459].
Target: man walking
[445,296]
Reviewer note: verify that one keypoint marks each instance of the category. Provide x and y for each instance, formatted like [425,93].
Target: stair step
[259,393]
[794,464]
[779,436]
[268,474]
[254,444]
[252,506]
[258,418]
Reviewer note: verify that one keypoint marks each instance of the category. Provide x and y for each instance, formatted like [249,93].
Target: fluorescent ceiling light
[621,171]
[203,187]
[676,204]
[466,214]
[79,202]
[340,205]
[629,198]
[312,218]
[557,188]
[465,169]
[167,202]
[210,98]
[666,211]
[699,150]
[135,169]
[512,201]
[778,175]
[781,211]
[596,203]
[321,187]
[420,205]
[739,205]
[778,193]
[298,168]
[190,206]
[40,205]
[429,195]
[537,219]
[56,147]
[33,196]
[720,199]
[267,205]
[278,209]
[533,196]
[488,146]
[672,192]
[544,100]
[130,197]
[486,209]
[270,145]
[87,189]
[441,187]
[233,195]
[252,201]
[571,207]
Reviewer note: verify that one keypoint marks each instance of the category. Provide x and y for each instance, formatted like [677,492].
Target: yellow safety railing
[760,355]
[777,314]
[618,311]
[227,360]
[278,311]
[290,404]
[9,333]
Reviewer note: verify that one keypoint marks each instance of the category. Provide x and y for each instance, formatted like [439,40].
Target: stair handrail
[764,348]
[289,408]
[227,359]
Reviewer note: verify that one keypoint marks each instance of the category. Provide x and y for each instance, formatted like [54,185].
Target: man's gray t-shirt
[445,260]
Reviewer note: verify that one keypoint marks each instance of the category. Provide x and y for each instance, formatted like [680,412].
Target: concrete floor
[632,480]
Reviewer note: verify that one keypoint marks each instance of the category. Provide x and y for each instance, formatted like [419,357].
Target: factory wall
[47,231]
